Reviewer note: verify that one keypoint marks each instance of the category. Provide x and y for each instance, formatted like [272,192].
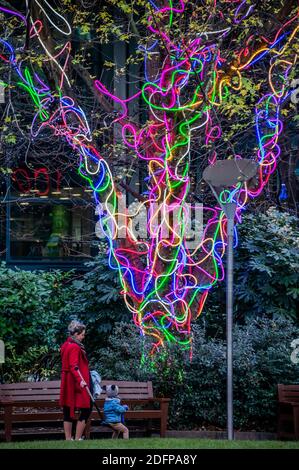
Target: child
[113,412]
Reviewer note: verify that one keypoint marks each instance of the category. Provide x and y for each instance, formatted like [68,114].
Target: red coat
[71,394]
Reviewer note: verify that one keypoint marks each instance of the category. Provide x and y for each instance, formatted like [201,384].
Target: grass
[152,443]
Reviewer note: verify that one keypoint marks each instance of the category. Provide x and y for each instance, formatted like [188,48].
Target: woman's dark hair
[76,327]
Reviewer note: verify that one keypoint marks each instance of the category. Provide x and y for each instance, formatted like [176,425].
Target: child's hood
[111,399]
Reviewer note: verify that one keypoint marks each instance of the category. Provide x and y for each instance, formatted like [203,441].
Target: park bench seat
[288,411]
[32,408]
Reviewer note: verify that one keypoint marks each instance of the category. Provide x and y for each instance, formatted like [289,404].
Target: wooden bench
[29,408]
[288,411]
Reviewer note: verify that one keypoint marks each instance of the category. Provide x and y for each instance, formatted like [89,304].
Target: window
[51,231]
[2,231]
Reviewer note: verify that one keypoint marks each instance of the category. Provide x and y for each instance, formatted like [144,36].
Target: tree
[196,82]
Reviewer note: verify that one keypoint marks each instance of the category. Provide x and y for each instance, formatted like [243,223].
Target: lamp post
[225,174]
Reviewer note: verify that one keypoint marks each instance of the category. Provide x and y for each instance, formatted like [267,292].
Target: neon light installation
[164,283]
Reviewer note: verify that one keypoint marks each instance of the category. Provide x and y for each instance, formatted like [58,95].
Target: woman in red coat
[73,393]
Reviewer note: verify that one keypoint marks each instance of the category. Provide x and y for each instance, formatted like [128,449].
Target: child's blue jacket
[113,410]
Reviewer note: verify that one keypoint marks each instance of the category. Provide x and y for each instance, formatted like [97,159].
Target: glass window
[44,182]
[2,231]
[53,230]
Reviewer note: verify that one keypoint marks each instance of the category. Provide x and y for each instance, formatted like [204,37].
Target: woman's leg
[80,429]
[81,423]
[67,426]
[67,423]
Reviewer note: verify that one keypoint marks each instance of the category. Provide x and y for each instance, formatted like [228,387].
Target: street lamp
[225,174]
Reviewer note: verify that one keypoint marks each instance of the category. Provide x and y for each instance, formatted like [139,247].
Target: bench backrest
[50,390]
[288,393]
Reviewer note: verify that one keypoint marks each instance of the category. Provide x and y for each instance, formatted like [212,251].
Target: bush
[266,273]
[37,306]
[198,388]
[267,266]
[30,318]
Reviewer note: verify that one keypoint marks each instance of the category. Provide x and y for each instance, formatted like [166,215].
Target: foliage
[30,304]
[97,302]
[36,362]
[197,389]
[267,265]
[266,272]
[36,307]
[30,309]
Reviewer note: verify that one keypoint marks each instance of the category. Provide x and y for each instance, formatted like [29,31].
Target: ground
[152,443]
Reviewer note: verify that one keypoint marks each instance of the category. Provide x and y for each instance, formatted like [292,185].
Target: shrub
[30,318]
[267,265]
[198,388]
[266,273]
[36,307]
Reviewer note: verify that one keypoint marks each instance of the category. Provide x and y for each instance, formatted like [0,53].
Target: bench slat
[55,393]
[32,385]
[50,390]
[288,393]
[31,398]
[38,402]
[40,417]
[41,398]
[56,383]
[24,393]
[58,416]
[35,388]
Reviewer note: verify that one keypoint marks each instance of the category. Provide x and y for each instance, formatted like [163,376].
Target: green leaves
[267,265]
[30,309]
[36,307]
[293,292]
[10,138]
[198,388]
